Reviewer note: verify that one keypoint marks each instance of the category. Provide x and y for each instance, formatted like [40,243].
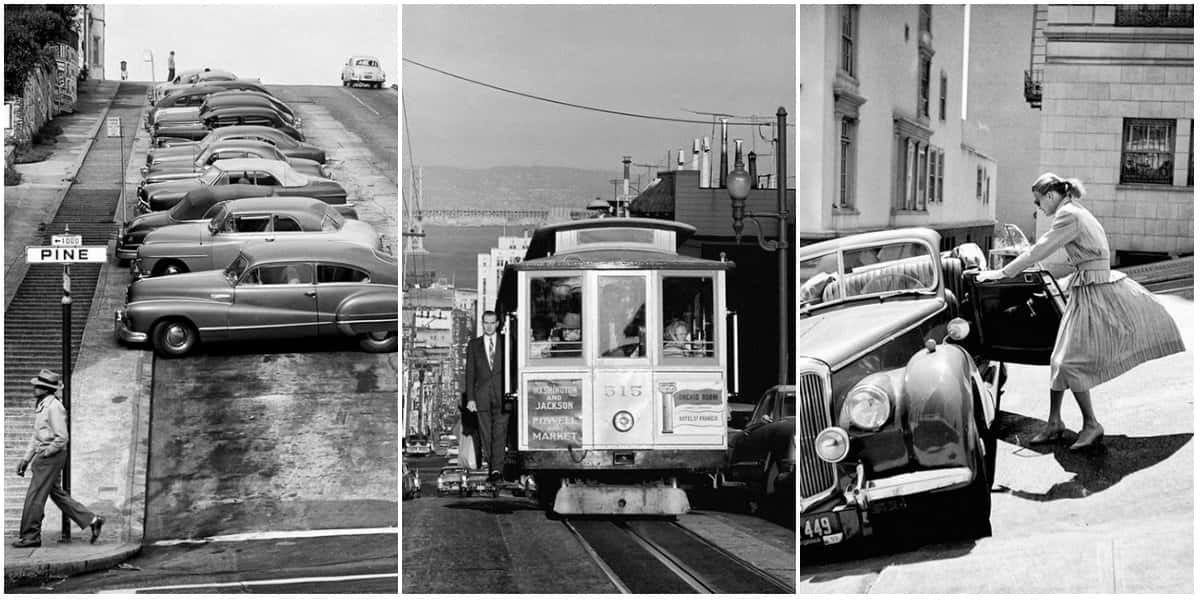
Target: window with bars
[849,35]
[1148,151]
[846,165]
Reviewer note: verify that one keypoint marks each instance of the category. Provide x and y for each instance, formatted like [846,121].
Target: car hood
[180,232]
[183,285]
[148,221]
[176,185]
[360,232]
[841,334]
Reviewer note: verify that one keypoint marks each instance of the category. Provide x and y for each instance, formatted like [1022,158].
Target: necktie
[490,352]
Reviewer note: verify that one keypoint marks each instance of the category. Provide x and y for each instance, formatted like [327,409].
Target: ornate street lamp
[738,184]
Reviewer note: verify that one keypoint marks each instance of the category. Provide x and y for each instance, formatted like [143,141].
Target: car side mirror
[766,419]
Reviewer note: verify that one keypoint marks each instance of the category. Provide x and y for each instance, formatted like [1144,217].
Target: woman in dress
[1111,324]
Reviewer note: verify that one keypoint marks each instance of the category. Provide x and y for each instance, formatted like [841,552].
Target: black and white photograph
[598,267]
[201,287]
[996,298]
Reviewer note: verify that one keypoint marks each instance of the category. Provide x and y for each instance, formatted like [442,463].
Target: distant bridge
[499,216]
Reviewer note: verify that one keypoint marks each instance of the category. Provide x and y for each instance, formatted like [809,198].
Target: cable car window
[555,323]
[621,307]
[687,317]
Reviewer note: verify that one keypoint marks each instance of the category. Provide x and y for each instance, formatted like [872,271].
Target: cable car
[617,365]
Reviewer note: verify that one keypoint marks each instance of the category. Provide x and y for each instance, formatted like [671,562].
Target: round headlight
[958,328]
[868,406]
[623,421]
[832,444]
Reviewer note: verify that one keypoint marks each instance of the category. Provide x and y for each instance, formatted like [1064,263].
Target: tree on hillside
[28,30]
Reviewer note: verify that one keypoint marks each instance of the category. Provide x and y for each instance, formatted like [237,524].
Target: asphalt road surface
[370,114]
[1118,519]
[453,544]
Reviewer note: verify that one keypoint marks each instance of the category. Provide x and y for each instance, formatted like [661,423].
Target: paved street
[508,545]
[1065,521]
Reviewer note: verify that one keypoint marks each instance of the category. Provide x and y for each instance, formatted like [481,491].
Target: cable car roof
[545,240]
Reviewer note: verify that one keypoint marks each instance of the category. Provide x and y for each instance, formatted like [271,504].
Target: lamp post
[148,56]
[738,184]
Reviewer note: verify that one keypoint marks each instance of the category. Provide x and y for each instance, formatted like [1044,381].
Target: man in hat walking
[47,455]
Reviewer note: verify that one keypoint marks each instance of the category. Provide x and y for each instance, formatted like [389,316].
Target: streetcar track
[728,574]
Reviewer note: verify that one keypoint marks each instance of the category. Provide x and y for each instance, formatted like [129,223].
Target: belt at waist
[1092,264]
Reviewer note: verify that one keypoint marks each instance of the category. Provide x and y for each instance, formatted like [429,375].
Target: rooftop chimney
[706,164]
[695,154]
[724,153]
[752,157]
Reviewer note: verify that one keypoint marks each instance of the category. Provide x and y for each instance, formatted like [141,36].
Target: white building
[489,269]
[881,134]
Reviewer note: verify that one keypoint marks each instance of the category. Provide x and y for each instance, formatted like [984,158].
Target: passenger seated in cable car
[677,339]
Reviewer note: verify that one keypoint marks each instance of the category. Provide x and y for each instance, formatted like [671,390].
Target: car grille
[815,475]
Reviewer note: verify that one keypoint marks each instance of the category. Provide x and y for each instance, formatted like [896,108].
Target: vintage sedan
[182,168]
[269,291]
[193,96]
[364,70]
[899,378]
[224,116]
[195,206]
[450,480]
[762,455]
[192,78]
[249,98]
[209,245]
[286,144]
[275,174]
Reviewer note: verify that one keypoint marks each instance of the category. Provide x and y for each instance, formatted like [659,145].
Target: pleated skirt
[1109,327]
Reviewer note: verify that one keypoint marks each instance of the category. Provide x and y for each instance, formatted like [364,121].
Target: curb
[27,574]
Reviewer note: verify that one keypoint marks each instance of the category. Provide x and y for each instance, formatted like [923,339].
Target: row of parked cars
[242,234]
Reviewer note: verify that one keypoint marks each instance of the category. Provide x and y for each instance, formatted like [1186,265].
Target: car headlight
[832,444]
[868,406]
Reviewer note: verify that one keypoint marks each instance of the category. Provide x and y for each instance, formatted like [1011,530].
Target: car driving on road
[363,70]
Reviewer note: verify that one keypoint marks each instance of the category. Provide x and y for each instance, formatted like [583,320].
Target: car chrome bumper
[124,333]
[909,484]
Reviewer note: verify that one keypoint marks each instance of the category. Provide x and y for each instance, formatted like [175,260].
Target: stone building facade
[1115,86]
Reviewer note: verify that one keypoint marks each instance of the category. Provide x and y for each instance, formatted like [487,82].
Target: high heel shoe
[1089,438]
[1049,433]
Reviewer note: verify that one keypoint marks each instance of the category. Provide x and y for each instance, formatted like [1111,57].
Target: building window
[922,167]
[979,183]
[1154,15]
[909,195]
[1147,151]
[923,86]
[941,176]
[942,99]
[846,165]
[925,20]
[1191,152]
[932,187]
[849,35]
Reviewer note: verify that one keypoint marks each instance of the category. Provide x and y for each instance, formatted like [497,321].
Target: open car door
[1017,318]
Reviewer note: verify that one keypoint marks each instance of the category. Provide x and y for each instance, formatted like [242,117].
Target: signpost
[112,126]
[66,248]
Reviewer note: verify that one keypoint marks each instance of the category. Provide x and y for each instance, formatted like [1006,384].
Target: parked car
[410,482]
[269,291]
[364,70]
[194,206]
[286,144]
[224,116]
[183,168]
[762,455]
[450,480]
[187,247]
[275,174]
[182,78]
[190,78]
[249,98]
[193,97]
[417,445]
[239,84]
[899,378]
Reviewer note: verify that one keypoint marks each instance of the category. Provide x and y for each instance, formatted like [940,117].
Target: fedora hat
[47,379]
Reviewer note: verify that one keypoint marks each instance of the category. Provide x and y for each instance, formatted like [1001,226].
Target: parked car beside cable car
[364,70]
[762,455]
[186,247]
[183,168]
[275,174]
[194,206]
[286,144]
[898,381]
[270,291]
[417,445]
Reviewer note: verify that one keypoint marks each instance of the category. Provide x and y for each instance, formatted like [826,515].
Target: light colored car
[287,144]
[186,167]
[269,291]
[275,174]
[187,247]
[364,70]
[450,479]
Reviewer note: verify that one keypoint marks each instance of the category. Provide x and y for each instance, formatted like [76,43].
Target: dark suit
[485,386]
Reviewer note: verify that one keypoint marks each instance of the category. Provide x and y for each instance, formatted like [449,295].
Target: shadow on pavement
[876,554]
[1095,469]
[497,506]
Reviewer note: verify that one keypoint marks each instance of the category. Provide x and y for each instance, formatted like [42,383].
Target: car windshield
[235,269]
[210,175]
[884,269]
[366,62]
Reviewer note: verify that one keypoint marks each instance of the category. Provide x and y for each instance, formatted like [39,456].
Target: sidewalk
[110,409]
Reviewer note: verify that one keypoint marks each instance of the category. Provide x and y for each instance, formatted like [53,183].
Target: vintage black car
[224,116]
[762,455]
[249,98]
[899,374]
[286,144]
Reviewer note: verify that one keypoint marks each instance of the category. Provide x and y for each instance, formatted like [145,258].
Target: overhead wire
[564,102]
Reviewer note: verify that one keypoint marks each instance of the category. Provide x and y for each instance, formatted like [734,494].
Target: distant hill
[512,187]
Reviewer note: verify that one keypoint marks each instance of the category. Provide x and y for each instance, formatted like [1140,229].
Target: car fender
[209,316]
[938,392]
[366,311]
